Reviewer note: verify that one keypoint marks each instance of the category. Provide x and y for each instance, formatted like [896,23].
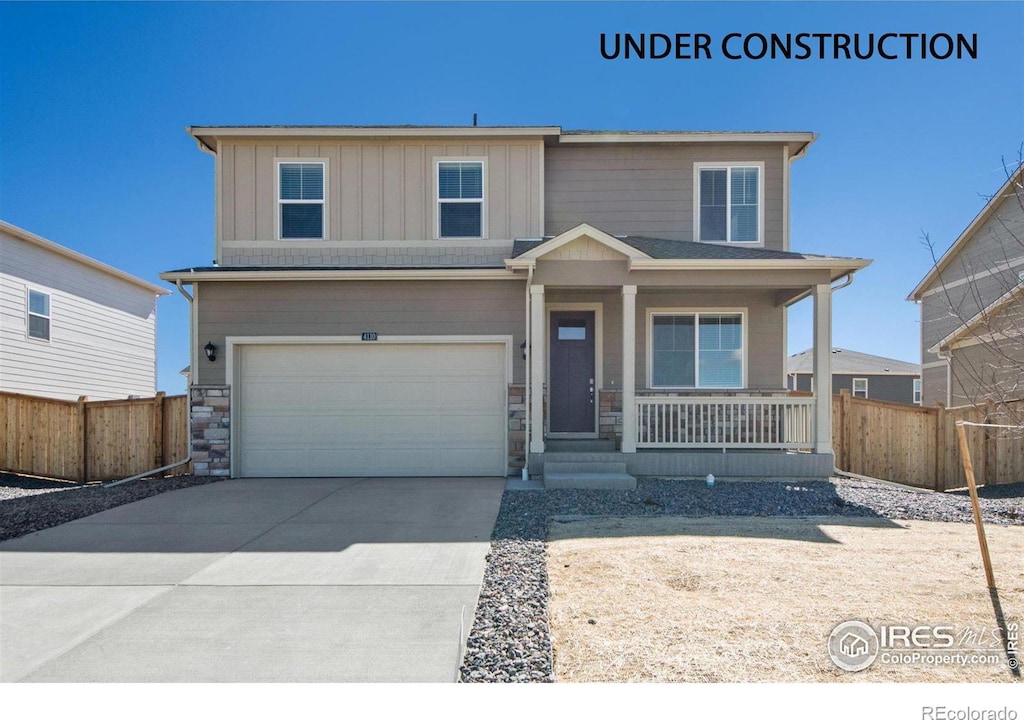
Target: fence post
[940,447]
[845,429]
[991,435]
[83,437]
[158,430]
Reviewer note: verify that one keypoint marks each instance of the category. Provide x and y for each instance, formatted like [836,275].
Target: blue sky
[94,99]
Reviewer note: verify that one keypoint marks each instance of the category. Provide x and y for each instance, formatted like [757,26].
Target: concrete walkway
[318,580]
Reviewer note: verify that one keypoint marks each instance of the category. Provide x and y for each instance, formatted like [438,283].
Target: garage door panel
[356,410]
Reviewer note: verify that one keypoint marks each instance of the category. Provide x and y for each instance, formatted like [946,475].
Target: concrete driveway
[319,580]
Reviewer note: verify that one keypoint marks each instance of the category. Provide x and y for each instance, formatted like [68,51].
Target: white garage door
[371,410]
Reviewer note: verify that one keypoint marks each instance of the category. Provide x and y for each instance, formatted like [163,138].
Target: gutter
[808,291]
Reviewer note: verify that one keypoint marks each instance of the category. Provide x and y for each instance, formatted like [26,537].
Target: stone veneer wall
[210,408]
[610,415]
[516,428]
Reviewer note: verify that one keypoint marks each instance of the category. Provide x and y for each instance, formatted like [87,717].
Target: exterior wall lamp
[211,351]
[523,348]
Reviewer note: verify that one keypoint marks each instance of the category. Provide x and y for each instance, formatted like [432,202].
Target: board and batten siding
[647,189]
[332,308]
[102,329]
[381,201]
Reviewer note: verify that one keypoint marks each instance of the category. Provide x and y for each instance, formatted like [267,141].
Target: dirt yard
[731,599]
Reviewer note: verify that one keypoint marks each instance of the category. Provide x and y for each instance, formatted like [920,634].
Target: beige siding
[648,189]
[350,308]
[764,330]
[102,330]
[381,203]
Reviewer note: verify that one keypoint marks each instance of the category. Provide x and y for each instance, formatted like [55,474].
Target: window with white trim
[729,203]
[460,198]
[696,350]
[38,315]
[301,199]
[860,387]
[917,391]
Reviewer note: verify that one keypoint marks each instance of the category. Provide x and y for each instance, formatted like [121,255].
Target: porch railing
[725,422]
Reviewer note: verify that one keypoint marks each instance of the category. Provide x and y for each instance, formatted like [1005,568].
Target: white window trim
[438,200]
[29,313]
[697,167]
[652,312]
[278,201]
[918,391]
[853,387]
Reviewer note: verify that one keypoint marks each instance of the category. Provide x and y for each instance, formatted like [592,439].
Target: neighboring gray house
[71,325]
[864,375]
[972,307]
[469,300]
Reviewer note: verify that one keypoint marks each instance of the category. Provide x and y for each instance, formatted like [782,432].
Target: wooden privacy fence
[917,446]
[92,440]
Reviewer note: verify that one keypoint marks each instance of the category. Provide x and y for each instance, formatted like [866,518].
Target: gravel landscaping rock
[510,640]
[31,504]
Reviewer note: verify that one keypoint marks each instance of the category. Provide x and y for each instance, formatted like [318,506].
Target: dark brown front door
[571,391]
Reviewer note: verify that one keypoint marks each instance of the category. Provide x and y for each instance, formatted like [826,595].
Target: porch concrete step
[588,481]
[583,466]
[601,457]
[573,446]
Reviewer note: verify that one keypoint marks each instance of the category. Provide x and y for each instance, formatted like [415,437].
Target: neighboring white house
[71,325]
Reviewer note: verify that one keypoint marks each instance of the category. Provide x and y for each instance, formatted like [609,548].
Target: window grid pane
[38,303]
[460,219]
[460,181]
[39,327]
[302,221]
[729,204]
[701,350]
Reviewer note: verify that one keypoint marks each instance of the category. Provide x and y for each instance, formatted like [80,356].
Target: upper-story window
[460,198]
[917,391]
[301,193]
[38,315]
[729,200]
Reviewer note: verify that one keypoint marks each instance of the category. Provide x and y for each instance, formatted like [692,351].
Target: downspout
[840,286]
[188,459]
[526,396]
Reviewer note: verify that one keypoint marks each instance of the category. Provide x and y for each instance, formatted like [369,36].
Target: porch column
[538,328]
[629,368]
[823,368]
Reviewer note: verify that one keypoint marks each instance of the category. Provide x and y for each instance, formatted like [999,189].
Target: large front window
[301,200]
[460,199]
[728,203]
[696,350]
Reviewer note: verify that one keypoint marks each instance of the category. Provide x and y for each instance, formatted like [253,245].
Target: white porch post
[823,368]
[629,368]
[538,328]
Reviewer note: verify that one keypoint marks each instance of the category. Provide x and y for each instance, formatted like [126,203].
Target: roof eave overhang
[277,275]
[208,135]
[838,267]
[798,142]
[57,249]
[1014,181]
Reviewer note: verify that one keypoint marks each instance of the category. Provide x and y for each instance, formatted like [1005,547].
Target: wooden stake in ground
[965,455]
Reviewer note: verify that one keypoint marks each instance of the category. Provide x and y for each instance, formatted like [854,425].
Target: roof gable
[581,240]
[1013,185]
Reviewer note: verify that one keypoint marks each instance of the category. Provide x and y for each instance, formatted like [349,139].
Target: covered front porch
[671,365]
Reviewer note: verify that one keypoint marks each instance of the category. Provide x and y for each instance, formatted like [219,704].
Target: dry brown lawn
[754,599]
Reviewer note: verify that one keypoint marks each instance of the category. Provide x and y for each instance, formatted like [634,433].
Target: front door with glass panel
[571,391]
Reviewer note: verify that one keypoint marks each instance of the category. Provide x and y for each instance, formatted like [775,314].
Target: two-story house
[71,325]
[472,300]
[972,307]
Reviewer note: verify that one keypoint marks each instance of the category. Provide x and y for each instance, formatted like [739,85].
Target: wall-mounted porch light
[523,348]
[211,351]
